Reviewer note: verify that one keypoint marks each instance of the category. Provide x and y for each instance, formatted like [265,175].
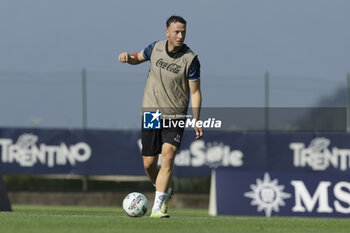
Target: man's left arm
[196,101]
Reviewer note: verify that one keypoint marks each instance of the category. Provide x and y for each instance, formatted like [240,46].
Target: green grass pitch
[51,219]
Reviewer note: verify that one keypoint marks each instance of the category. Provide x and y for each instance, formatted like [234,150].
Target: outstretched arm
[196,101]
[132,59]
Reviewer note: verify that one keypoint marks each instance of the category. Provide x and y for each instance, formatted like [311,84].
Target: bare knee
[149,166]
[168,152]
[150,163]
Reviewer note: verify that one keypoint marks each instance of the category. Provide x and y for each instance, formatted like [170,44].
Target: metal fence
[113,100]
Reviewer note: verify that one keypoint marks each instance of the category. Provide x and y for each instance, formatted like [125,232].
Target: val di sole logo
[267,195]
[151,120]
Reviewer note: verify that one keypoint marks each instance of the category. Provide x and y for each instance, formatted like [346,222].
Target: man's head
[175,19]
[176,32]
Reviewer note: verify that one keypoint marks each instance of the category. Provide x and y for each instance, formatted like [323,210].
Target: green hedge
[44,183]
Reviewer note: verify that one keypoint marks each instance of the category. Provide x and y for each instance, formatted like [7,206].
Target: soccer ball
[135,204]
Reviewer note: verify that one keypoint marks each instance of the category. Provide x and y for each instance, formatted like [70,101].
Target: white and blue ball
[135,204]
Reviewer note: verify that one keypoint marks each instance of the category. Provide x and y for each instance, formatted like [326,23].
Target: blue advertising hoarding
[279,193]
[118,152]
[53,151]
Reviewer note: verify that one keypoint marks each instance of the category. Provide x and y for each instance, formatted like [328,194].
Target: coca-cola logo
[172,67]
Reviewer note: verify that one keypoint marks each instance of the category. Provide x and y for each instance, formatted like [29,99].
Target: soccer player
[173,77]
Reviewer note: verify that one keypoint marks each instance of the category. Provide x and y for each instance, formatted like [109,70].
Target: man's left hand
[199,132]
